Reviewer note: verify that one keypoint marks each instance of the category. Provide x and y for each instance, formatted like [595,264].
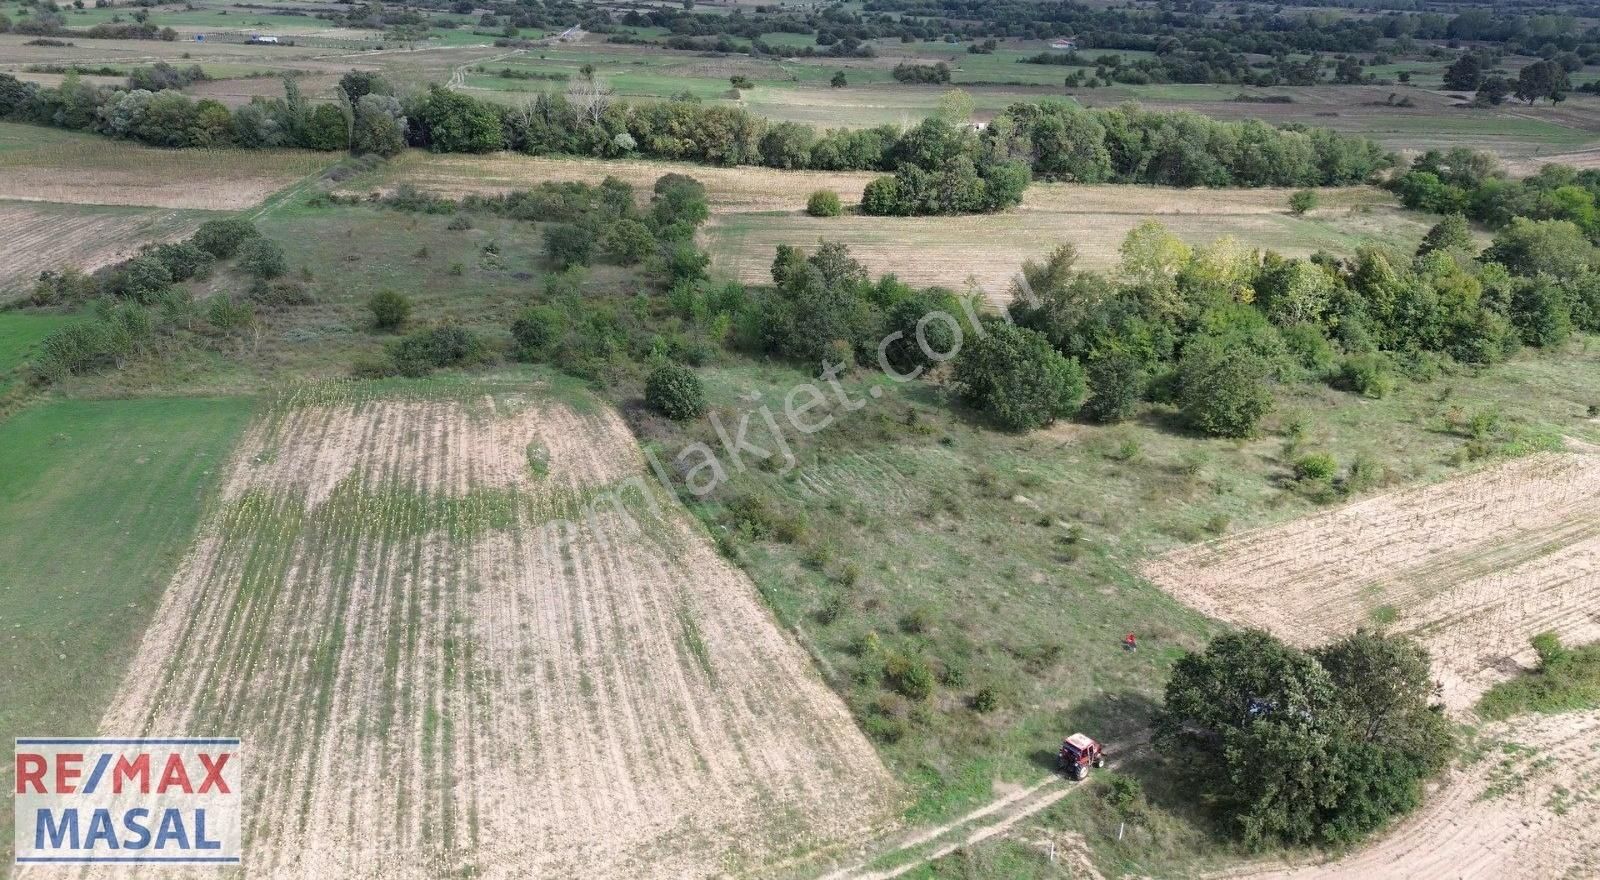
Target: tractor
[1078,753]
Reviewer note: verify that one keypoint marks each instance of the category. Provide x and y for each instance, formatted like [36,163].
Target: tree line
[1055,141]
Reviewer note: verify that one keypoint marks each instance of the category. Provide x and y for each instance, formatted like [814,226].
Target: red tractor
[1078,753]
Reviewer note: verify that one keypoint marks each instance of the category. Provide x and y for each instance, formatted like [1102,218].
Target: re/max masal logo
[134,801]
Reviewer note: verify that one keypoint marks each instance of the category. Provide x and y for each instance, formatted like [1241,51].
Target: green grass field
[1008,562]
[98,501]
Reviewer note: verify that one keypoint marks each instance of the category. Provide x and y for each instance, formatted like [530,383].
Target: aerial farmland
[851,440]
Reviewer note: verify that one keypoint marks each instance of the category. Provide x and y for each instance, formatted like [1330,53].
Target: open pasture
[1472,567]
[51,165]
[460,642]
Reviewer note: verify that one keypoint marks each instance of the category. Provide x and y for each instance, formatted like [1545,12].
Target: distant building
[1067,45]
[257,38]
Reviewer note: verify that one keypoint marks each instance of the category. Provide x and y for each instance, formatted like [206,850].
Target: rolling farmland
[1472,567]
[457,639]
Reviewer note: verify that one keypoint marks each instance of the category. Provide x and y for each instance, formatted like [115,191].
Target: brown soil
[1472,567]
[443,663]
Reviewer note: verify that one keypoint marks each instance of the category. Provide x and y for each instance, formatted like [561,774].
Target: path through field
[1472,567]
[463,637]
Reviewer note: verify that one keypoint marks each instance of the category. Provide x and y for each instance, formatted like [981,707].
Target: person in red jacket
[1129,643]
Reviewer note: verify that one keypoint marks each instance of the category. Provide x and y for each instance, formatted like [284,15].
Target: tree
[1557,248]
[1299,748]
[1116,382]
[534,329]
[838,80]
[1543,79]
[928,324]
[1451,232]
[741,82]
[389,309]
[568,245]
[1017,378]
[379,127]
[1493,91]
[824,203]
[674,391]
[325,128]
[1302,201]
[1464,74]
[1222,392]
[457,123]
[357,84]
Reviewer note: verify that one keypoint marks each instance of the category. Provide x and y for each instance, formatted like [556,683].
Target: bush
[985,701]
[262,258]
[83,346]
[1015,376]
[1316,466]
[143,278]
[1220,392]
[420,352]
[675,391]
[184,260]
[824,203]
[1367,375]
[222,238]
[389,309]
[909,675]
[533,330]
[1302,201]
[629,241]
[567,245]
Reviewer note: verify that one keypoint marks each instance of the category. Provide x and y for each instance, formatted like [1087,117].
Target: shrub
[909,675]
[262,258]
[389,309]
[1221,392]
[222,238]
[567,245]
[533,330]
[419,352]
[674,391]
[184,260]
[1015,376]
[83,346]
[985,700]
[629,241]
[824,203]
[459,222]
[143,278]
[1316,466]
[226,315]
[1367,375]
[1302,201]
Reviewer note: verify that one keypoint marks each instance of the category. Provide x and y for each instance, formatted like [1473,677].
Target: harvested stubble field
[461,636]
[41,235]
[1473,567]
[728,189]
[1520,806]
[50,165]
[753,210]
[987,250]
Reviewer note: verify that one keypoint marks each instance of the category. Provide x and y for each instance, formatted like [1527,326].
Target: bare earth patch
[445,661]
[1472,567]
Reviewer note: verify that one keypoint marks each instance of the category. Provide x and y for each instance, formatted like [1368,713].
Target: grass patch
[91,531]
[1566,680]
